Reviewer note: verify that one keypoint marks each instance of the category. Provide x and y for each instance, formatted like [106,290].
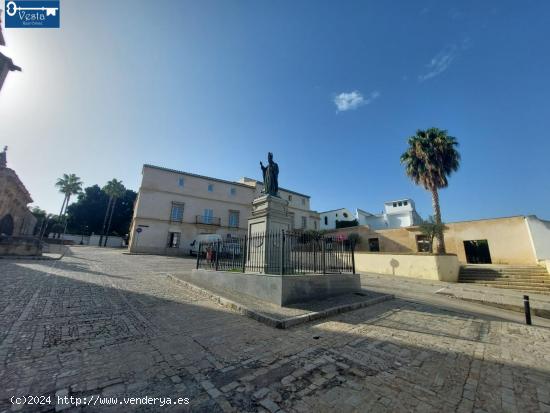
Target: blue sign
[31,14]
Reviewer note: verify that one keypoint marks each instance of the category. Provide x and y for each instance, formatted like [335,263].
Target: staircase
[518,277]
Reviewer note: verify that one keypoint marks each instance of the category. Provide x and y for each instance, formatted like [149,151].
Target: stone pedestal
[269,218]
[269,214]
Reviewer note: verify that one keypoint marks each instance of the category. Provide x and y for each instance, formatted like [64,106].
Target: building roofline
[475,220]
[20,184]
[332,210]
[363,211]
[410,200]
[161,168]
[282,189]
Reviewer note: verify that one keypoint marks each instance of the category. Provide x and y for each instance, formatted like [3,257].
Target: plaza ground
[102,323]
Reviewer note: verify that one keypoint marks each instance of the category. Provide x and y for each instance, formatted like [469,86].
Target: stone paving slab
[510,301]
[291,315]
[103,324]
[506,299]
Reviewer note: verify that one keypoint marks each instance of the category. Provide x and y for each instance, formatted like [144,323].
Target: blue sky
[333,89]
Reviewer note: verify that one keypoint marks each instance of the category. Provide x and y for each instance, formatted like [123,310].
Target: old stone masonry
[100,325]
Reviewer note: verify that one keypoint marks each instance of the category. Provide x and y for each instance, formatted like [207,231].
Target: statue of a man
[271,176]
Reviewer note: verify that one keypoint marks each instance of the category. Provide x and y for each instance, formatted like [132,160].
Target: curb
[539,312]
[28,258]
[279,323]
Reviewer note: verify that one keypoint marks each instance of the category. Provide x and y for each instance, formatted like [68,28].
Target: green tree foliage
[430,159]
[430,229]
[88,213]
[115,190]
[347,224]
[68,184]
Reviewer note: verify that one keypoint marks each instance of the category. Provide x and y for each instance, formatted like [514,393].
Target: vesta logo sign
[29,14]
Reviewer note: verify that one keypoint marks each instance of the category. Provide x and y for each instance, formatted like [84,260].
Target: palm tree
[115,189]
[68,185]
[432,157]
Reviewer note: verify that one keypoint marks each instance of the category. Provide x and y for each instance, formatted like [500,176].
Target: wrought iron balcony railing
[207,220]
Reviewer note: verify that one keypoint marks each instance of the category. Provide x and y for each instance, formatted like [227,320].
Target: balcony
[207,220]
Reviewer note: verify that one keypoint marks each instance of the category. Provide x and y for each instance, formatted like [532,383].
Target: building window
[395,204]
[303,201]
[400,203]
[345,214]
[423,244]
[176,215]
[304,222]
[174,239]
[234,219]
[291,216]
[210,188]
[233,191]
[374,245]
[208,216]
[181,182]
[326,220]
[290,197]
[314,224]
[405,203]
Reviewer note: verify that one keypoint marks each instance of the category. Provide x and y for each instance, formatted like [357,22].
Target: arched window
[326,220]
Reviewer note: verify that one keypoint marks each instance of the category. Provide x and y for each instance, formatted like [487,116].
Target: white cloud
[439,63]
[352,100]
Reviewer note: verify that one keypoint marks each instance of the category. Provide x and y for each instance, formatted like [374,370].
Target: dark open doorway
[477,252]
[6,225]
[374,245]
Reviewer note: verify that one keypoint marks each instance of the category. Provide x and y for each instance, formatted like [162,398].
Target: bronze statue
[271,176]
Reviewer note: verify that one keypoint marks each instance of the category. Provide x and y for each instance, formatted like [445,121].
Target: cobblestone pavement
[100,324]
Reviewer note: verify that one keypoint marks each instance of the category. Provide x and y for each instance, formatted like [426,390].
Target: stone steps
[521,277]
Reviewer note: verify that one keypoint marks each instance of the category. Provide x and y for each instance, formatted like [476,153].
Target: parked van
[203,238]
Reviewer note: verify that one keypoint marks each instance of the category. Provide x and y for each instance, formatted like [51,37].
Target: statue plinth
[269,217]
[269,214]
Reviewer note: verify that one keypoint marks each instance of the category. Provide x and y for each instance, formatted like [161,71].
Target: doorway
[6,225]
[374,245]
[477,252]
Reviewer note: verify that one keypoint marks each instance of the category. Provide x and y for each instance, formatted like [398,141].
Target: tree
[347,224]
[430,229]
[114,189]
[41,219]
[432,157]
[68,185]
[88,212]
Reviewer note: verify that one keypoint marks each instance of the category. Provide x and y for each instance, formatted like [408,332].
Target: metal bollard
[527,308]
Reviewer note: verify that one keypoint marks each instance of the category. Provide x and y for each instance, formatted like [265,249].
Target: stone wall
[20,246]
[509,239]
[14,199]
[426,266]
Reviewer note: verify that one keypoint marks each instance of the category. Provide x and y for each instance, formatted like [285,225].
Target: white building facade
[329,218]
[173,207]
[397,214]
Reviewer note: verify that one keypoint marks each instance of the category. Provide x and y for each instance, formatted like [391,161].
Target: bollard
[527,309]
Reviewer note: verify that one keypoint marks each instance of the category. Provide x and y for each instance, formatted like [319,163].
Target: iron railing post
[323,252]
[243,252]
[217,253]
[282,254]
[353,257]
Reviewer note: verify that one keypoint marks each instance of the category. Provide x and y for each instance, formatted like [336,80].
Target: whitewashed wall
[540,236]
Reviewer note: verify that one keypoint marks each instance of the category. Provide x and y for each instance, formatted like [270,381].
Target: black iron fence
[279,253]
